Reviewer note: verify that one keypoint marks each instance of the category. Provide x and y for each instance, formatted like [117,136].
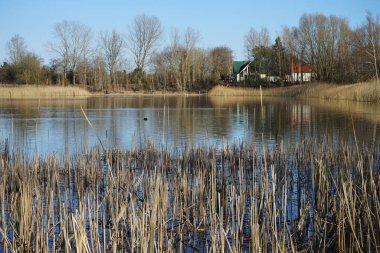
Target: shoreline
[70,92]
[146,93]
[38,92]
[359,92]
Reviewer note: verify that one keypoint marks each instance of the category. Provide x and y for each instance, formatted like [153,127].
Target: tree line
[335,51]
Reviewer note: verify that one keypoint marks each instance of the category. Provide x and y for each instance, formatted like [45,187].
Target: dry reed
[362,92]
[232,199]
[33,92]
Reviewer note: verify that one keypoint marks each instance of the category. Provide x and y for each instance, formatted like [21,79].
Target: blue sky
[220,23]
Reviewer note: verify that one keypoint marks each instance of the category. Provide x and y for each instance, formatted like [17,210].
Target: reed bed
[312,198]
[360,92]
[33,92]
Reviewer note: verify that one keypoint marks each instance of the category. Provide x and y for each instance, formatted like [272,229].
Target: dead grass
[32,92]
[363,92]
[311,198]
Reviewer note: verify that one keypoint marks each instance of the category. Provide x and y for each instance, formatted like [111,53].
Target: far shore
[361,92]
[34,92]
[46,92]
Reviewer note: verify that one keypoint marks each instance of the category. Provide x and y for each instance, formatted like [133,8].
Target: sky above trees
[219,23]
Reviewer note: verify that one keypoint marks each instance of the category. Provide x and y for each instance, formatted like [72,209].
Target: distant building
[302,72]
[273,79]
[240,69]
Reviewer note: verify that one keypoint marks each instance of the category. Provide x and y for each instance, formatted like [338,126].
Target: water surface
[181,121]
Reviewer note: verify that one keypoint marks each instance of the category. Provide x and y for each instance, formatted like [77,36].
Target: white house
[241,70]
[301,72]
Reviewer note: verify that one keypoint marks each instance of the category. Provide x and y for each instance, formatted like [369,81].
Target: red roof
[301,68]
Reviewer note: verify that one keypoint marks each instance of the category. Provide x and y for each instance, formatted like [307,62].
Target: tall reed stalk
[313,197]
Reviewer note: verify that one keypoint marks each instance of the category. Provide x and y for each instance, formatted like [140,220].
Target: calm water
[176,122]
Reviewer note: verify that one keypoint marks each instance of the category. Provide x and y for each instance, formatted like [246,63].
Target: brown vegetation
[28,91]
[361,92]
[311,198]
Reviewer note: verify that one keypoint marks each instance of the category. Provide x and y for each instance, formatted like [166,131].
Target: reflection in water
[300,115]
[59,125]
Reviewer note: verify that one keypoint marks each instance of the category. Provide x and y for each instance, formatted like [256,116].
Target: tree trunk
[375,65]
[64,78]
[85,74]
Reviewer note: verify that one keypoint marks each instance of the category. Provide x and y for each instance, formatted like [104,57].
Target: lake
[45,125]
[302,194]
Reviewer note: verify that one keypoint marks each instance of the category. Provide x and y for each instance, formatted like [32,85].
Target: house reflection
[300,116]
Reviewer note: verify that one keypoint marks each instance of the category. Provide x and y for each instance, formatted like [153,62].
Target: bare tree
[16,49]
[255,39]
[143,37]
[369,41]
[80,39]
[175,58]
[190,39]
[61,46]
[71,45]
[258,48]
[322,37]
[182,59]
[182,65]
[30,69]
[112,45]
[221,58]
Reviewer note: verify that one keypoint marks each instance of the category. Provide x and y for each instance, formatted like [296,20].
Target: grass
[32,92]
[310,198]
[363,92]
[35,92]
